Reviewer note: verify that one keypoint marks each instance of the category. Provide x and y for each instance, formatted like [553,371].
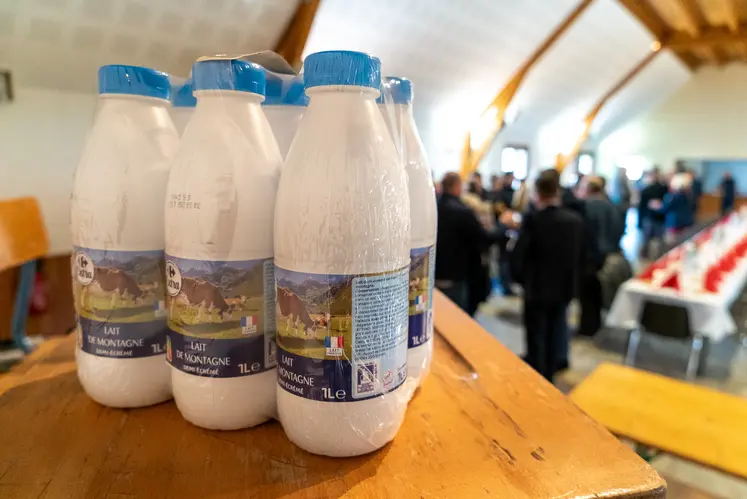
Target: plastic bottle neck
[342,91]
[118,100]
[226,96]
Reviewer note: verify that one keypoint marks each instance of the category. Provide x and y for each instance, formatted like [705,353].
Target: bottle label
[341,338]
[120,302]
[221,316]
[422,278]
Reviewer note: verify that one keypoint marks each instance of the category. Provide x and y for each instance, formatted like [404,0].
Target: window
[515,159]
[634,166]
[585,163]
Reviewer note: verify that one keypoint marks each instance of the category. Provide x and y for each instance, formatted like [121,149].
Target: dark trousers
[544,323]
[456,291]
[590,299]
[652,229]
[563,344]
[504,273]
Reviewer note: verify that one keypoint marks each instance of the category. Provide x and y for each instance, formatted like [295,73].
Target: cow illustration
[414,284]
[236,303]
[119,283]
[293,308]
[322,321]
[206,296]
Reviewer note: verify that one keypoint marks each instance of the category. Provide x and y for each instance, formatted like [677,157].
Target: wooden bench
[686,420]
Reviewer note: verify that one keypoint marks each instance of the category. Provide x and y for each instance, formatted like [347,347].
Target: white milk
[117,231]
[397,112]
[183,106]
[220,281]
[342,257]
[284,106]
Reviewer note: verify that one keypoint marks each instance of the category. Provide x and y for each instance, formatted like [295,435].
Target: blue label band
[221,316]
[119,301]
[220,358]
[330,380]
[122,339]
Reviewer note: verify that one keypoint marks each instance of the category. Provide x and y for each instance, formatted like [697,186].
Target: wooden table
[483,425]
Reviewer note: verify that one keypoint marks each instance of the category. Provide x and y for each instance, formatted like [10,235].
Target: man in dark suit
[728,193]
[547,260]
[650,221]
[461,239]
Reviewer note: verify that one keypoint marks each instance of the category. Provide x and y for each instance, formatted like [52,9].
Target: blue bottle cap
[183,96]
[399,90]
[228,74]
[285,92]
[342,67]
[134,80]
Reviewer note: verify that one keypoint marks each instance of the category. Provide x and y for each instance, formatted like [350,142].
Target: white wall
[41,137]
[705,119]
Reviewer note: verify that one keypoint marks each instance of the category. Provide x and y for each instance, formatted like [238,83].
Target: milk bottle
[284,106]
[183,106]
[117,232]
[219,249]
[397,112]
[342,264]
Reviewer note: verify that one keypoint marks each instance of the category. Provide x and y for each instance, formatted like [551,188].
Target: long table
[484,424]
[708,311]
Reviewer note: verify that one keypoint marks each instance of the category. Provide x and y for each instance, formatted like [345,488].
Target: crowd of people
[553,244]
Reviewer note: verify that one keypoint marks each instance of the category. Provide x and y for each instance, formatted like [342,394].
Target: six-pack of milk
[271,258]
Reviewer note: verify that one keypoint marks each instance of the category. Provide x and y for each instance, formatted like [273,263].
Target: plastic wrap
[284,106]
[395,104]
[342,255]
[219,251]
[117,232]
[182,103]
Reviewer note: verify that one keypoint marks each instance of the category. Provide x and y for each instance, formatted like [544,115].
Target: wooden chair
[23,239]
[693,422]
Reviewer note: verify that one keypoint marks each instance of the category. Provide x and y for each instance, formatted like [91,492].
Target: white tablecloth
[709,312]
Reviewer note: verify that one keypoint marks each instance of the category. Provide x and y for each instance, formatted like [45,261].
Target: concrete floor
[501,317]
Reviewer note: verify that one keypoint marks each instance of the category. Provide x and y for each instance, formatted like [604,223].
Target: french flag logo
[333,345]
[249,325]
[420,303]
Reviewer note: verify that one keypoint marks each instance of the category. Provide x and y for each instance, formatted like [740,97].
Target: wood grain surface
[483,425]
[693,422]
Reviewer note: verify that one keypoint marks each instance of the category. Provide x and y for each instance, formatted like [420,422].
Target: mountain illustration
[320,297]
[417,262]
[146,268]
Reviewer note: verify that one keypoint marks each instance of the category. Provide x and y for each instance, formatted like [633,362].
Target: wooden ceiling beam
[561,161]
[649,16]
[732,15]
[711,37]
[293,39]
[690,59]
[696,23]
[694,16]
[472,154]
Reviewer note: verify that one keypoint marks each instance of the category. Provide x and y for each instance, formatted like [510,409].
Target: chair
[23,239]
[670,321]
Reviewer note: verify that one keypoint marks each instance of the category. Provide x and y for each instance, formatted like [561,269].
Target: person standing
[476,187]
[522,197]
[650,221]
[460,242]
[728,193]
[604,226]
[546,261]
